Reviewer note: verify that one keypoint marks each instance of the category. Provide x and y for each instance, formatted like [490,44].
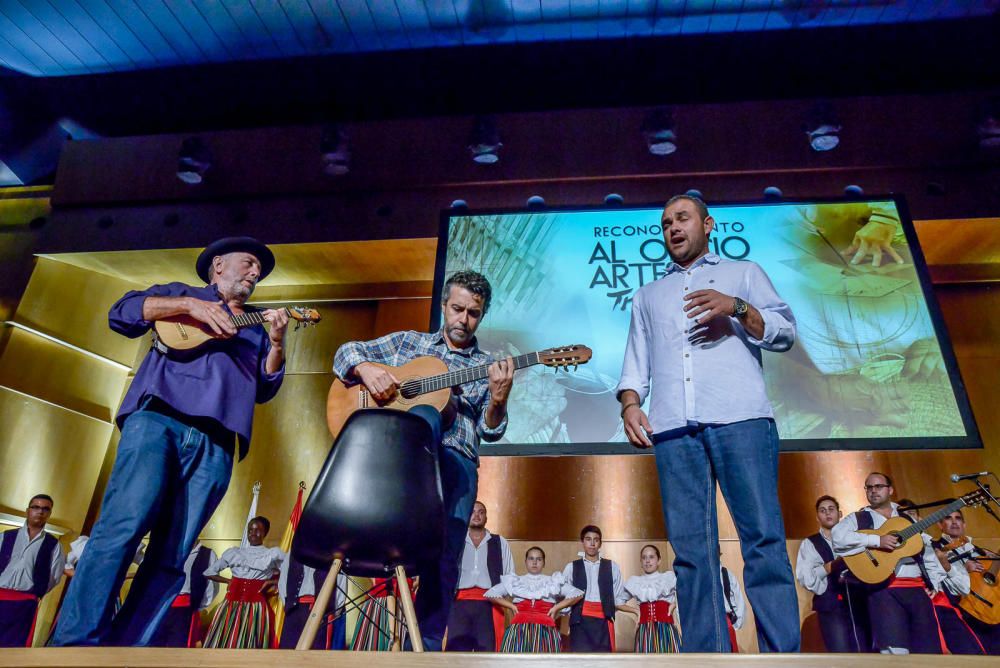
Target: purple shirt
[221,380]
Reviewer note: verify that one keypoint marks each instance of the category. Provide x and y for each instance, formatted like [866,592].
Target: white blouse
[651,587]
[549,588]
[253,562]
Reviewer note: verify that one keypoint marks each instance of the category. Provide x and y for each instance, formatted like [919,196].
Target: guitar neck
[935,517]
[249,319]
[417,386]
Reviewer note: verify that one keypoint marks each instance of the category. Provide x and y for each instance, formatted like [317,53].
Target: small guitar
[427,381]
[874,565]
[186,333]
[983,599]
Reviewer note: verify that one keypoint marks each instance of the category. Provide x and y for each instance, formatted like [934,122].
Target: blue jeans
[438,581]
[168,478]
[743,458]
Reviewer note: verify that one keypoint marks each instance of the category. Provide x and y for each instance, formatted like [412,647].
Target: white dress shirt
[847,540]
[253,562]
[592,569]
[213,587]
[709,374]
[475,570]
[20,571]
[810,569]
[957,581]
[739,603]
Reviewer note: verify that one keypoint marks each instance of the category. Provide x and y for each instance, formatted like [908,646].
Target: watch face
[739,308]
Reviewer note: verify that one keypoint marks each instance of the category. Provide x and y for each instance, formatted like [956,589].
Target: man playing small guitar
[963,632]
[901,612]
[480,413]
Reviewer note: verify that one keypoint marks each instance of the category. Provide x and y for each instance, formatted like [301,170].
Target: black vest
[199,583]
[494,559]
[832,598]
[605,586]
[43,560]
[296,576]
[865,521]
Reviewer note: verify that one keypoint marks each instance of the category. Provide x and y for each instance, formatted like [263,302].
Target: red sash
[194,628]
[596,609]
[906,583]
[534,612]
[655,611]
[734,646]
[182,601]
[14,595]
[242,590]
[940,600]
[476,594]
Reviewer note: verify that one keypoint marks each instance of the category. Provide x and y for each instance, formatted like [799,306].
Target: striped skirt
[530,638]
[656,638]
[244,620]
[374,630]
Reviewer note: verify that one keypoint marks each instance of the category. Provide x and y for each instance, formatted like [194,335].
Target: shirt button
[688,379]
[687,354]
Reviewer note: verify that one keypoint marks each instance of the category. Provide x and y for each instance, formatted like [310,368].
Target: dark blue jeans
[743,458]
[438,581]
[167,479]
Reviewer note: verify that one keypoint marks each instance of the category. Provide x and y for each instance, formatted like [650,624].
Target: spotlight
[854,191]
[695,193]
[822,128]
[613,199]
[659,129]
[335,151]
[773,193]
[459,204]
[988,127]
[535,202]
[193,161]
[484,141]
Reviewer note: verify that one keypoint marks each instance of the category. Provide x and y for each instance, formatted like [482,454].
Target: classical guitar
[186,333]
[983,601]
[427,381]
[875,565]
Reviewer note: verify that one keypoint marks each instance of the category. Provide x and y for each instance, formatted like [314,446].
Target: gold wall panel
[48,449]
[396,315]
[72,305]
[311,349]
[34,365]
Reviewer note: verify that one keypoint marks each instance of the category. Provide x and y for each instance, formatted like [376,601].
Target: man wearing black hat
[181,423]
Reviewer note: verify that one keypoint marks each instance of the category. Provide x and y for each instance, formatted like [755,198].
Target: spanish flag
[286,547]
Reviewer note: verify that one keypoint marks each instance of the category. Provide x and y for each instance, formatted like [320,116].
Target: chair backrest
[377,501]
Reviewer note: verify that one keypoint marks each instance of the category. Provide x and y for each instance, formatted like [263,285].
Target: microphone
[968,476]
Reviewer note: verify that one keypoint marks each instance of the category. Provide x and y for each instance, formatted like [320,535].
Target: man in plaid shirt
[480,410]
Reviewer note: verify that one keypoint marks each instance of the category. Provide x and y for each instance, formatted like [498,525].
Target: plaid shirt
[400,347]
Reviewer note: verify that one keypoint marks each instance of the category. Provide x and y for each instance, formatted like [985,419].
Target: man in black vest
[963,633]
[843,621]
[592,620]
[475,624]
[901,613]
[31,564]
[182,625]
[298,586]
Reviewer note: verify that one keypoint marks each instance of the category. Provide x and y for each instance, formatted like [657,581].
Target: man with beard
[181,422]
[963,633]
[696,337]
[480,413]
[475,624]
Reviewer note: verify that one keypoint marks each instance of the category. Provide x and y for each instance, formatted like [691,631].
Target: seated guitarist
[480,410]
[901,613]
[963,633]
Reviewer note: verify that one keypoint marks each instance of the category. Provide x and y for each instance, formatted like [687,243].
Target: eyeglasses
[876,486]
[46,509]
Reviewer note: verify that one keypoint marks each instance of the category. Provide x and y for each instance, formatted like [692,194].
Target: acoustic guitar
[875,565]
[983,601]
[184,333]
[427,381]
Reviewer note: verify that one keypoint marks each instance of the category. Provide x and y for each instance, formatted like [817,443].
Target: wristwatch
[740,308]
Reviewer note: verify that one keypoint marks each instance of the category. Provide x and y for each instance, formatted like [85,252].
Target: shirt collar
[486,538]
[708,258]
[583,555]
[468,352]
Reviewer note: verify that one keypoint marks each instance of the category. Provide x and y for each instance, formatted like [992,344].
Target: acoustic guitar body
[182,332]
[874,565]
[344,400]
[983,602]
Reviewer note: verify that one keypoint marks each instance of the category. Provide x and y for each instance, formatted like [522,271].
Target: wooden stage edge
[71,657]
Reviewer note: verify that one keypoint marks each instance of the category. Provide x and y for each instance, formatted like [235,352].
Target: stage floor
[202,658]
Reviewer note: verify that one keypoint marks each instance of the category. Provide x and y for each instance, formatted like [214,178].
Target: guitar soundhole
[989,579]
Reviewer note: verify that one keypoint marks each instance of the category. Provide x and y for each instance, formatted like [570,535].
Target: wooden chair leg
[318,611]
[408,611]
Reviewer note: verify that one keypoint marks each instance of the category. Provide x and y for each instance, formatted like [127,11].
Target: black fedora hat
[235,245]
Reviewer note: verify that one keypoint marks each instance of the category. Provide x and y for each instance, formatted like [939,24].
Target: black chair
[376,508]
